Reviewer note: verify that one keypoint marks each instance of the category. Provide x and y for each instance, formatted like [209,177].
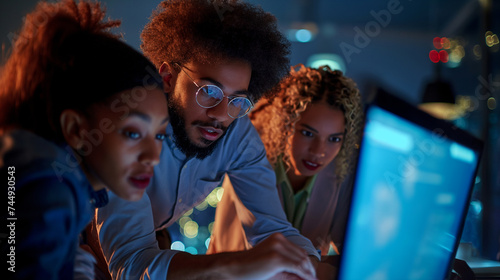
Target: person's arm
[273,256]
[84,265]
[128,241]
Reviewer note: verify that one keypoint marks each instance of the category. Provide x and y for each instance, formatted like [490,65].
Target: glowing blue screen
[411,189]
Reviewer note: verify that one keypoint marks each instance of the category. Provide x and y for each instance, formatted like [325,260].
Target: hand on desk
[325,270]
[277,258]
[290,276]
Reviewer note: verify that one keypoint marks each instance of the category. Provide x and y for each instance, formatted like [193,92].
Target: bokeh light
[177,245]
[437,43]
[220,192]
[445,42]
[335,62]
[449,51]
[477,206]
[191,229]
[492,103]
[303,35]
[202,206]
[188,213]
[443,56]
[491,39]
[194,228]
[434,56]
[182,221]
[476,50]
[192,250]
[212,199]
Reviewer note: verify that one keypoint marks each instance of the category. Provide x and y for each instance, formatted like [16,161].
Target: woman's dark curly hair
[206,31]
[275,118]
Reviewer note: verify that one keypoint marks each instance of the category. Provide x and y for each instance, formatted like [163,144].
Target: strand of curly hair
[275,118]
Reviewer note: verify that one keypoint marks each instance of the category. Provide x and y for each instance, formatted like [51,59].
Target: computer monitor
[412,187]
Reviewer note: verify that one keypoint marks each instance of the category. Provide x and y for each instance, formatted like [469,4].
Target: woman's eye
[306,133]
[161,136]
[132,135]
[335,139]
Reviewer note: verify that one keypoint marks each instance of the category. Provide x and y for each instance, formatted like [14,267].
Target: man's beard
[181,138]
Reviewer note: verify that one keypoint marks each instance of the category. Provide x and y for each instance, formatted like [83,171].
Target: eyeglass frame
[230,98]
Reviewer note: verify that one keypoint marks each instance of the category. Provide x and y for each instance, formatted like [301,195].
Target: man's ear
[73,124]
[168,75]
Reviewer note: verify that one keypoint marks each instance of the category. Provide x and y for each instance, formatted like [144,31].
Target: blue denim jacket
[51,203]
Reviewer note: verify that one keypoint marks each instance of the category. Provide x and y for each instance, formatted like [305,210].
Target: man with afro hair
[216,59]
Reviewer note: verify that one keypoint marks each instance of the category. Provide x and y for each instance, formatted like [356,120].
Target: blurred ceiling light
[302,32]
[335,62]
[303,35]
[439,100]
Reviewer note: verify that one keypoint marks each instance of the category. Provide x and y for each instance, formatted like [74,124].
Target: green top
[295,205]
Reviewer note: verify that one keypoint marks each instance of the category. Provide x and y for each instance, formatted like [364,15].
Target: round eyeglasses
[209,96]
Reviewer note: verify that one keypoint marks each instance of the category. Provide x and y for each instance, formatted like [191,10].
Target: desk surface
[484,269]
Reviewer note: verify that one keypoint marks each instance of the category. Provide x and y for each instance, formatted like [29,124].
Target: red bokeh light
[443,56]
[437,43]
[434,56]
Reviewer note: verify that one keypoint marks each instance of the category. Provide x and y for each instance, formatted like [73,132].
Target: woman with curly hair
[279,120]
[311,131]
[76,119]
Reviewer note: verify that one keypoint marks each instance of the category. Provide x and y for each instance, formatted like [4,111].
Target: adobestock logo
[363,37]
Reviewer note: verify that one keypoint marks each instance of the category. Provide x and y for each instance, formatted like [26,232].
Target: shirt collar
[282,178]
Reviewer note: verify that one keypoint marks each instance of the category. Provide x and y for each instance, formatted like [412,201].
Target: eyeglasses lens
[210,96]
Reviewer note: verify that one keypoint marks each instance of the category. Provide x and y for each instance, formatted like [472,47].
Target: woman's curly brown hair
[208,32]
[275,118]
